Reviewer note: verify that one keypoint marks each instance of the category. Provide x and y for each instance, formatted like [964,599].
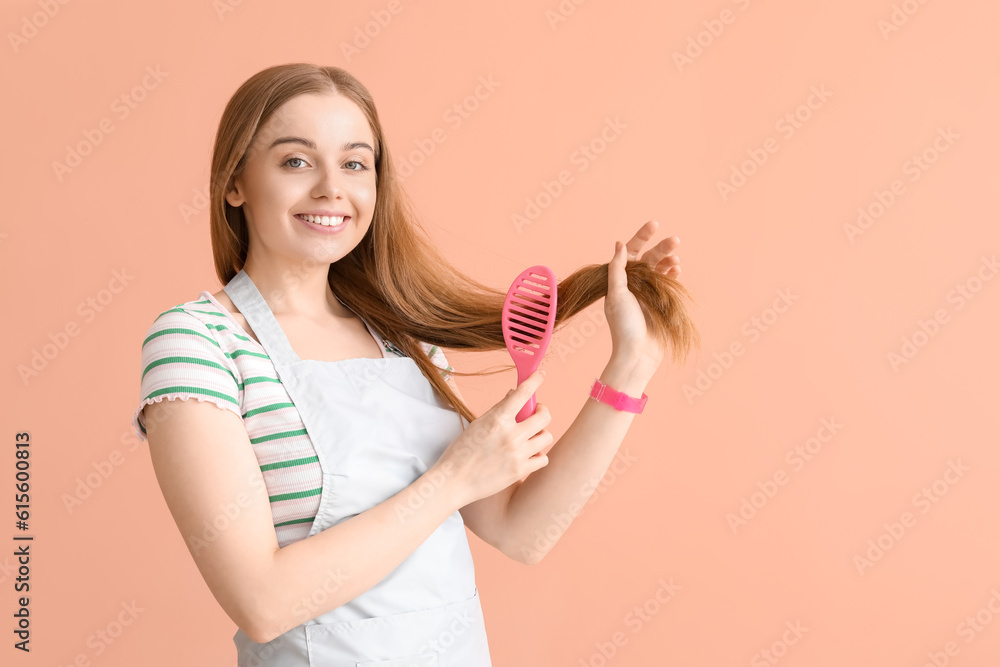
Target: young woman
[325,503]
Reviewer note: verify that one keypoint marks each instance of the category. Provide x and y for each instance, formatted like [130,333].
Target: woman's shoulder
[187,313]
[202,317]
[201,308]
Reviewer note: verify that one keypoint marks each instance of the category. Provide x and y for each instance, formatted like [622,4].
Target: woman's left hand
[630,327]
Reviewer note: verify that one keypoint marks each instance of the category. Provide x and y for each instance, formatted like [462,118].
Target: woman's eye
[360,165]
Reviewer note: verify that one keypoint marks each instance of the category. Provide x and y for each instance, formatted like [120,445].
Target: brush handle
[526,411]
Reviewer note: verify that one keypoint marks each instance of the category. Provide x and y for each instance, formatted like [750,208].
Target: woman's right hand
[494,450]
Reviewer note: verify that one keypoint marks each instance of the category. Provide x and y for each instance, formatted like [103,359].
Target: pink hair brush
[529,317]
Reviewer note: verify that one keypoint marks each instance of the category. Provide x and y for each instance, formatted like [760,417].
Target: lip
[320,228]
[325,212]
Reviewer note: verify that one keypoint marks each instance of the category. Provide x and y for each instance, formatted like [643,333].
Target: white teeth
[324,220]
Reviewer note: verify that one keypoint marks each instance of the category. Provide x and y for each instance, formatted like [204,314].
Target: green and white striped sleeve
[436,355]
[182,359]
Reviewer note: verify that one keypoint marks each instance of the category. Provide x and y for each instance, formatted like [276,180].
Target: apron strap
[247,298]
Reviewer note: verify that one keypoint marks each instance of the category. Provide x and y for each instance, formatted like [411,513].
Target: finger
[538,420]
[661,250]
[540,440]
[646,232]
[616,270]
[520,394]
[668,264]
[538,444]
[538,462]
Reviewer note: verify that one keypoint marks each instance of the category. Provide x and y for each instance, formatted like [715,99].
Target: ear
[234,194]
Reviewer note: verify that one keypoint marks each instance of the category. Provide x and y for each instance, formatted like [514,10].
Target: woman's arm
[546,502]
[526,519]
[214,488]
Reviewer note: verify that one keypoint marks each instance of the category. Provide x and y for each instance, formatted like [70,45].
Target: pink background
[686,463]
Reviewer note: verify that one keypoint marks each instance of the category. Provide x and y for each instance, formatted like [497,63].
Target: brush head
[529,316]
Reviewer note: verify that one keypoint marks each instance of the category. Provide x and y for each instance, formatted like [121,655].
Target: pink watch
[617,399]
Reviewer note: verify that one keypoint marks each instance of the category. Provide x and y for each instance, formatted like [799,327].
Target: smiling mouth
[325,221]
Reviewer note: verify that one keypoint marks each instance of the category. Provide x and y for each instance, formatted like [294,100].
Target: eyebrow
[350,145]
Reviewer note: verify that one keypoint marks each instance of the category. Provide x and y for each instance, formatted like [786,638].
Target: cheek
[366,196]
[273,195]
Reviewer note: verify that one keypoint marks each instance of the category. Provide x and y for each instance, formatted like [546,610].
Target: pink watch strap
[617,399]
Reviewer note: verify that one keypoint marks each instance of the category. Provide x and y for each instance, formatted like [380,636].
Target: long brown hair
[395,278]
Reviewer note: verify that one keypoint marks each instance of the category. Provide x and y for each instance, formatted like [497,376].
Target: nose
[329,184]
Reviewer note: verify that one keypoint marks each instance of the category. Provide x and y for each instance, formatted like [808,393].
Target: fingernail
[542,372]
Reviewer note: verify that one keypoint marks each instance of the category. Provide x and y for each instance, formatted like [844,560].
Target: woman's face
[314,156]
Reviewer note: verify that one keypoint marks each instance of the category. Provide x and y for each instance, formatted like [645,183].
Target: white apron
[376,426]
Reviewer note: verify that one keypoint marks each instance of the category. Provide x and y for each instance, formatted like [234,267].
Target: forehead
[329,119]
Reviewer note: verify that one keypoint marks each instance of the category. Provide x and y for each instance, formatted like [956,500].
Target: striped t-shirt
[195,350]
